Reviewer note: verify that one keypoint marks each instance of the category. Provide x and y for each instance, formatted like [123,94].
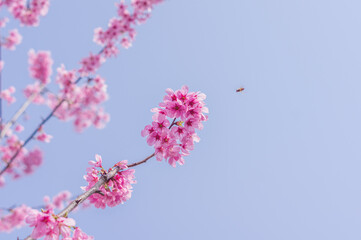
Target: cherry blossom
[19,128]
[90,64]
[58,200]
[25,162]
[43,137]
[176,141]
[36,90]
[15,218]
[80,235]
[121,29]
[47,224]
[6,94]
[28,14]
[32,160]
[40,65]
[116,191]
[82,103]
[14,38]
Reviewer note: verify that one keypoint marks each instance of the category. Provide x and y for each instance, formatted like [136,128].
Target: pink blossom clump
[28,14]
[32,160]
[40,66]
[90,64]
[121,29]
[6,94]
[174,140]
[80,235]
[26,160]
[116,191]
[14,38]
[14,219]
[43,137]
[82,103]
[19,128]
[34,90]
[47,224]
[58,200]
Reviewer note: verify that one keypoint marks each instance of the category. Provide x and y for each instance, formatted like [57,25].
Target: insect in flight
[240,89]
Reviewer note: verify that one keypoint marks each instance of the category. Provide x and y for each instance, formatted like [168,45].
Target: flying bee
[240,89]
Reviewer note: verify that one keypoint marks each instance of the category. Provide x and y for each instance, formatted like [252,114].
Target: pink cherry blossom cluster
[26,160]
[27,13]
[83,103]
[14,38]
[40,68]
[43,137]
[47,224]
[6,94]
[116,191]
[90,64]
[121,30]
[40,64]
[15,218]
[173,141]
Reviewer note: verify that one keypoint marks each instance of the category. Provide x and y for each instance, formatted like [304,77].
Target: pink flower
[173,142]
[28,14]
[43,223]
[47,224]
[12,40]
[19,128]
[83,103]
[80,235]
[40,65]
[15,218]
[35,88]
[6,95]
[66,80]
[121,29]
[57,201]
[116,191]
[32,160]
[43,137]
[90,64]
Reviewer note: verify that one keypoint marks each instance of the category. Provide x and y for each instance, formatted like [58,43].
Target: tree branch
[103,179]
[31,136]
[8,164]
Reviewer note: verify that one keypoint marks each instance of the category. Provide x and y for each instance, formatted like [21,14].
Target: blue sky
[280,161]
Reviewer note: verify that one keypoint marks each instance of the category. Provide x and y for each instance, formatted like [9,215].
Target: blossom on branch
[6,94]
[116,191]
[47,224]
[27,14]
[40,66]
[14,38]
[173,142]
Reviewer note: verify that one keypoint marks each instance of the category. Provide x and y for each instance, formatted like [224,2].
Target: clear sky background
[280,161]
